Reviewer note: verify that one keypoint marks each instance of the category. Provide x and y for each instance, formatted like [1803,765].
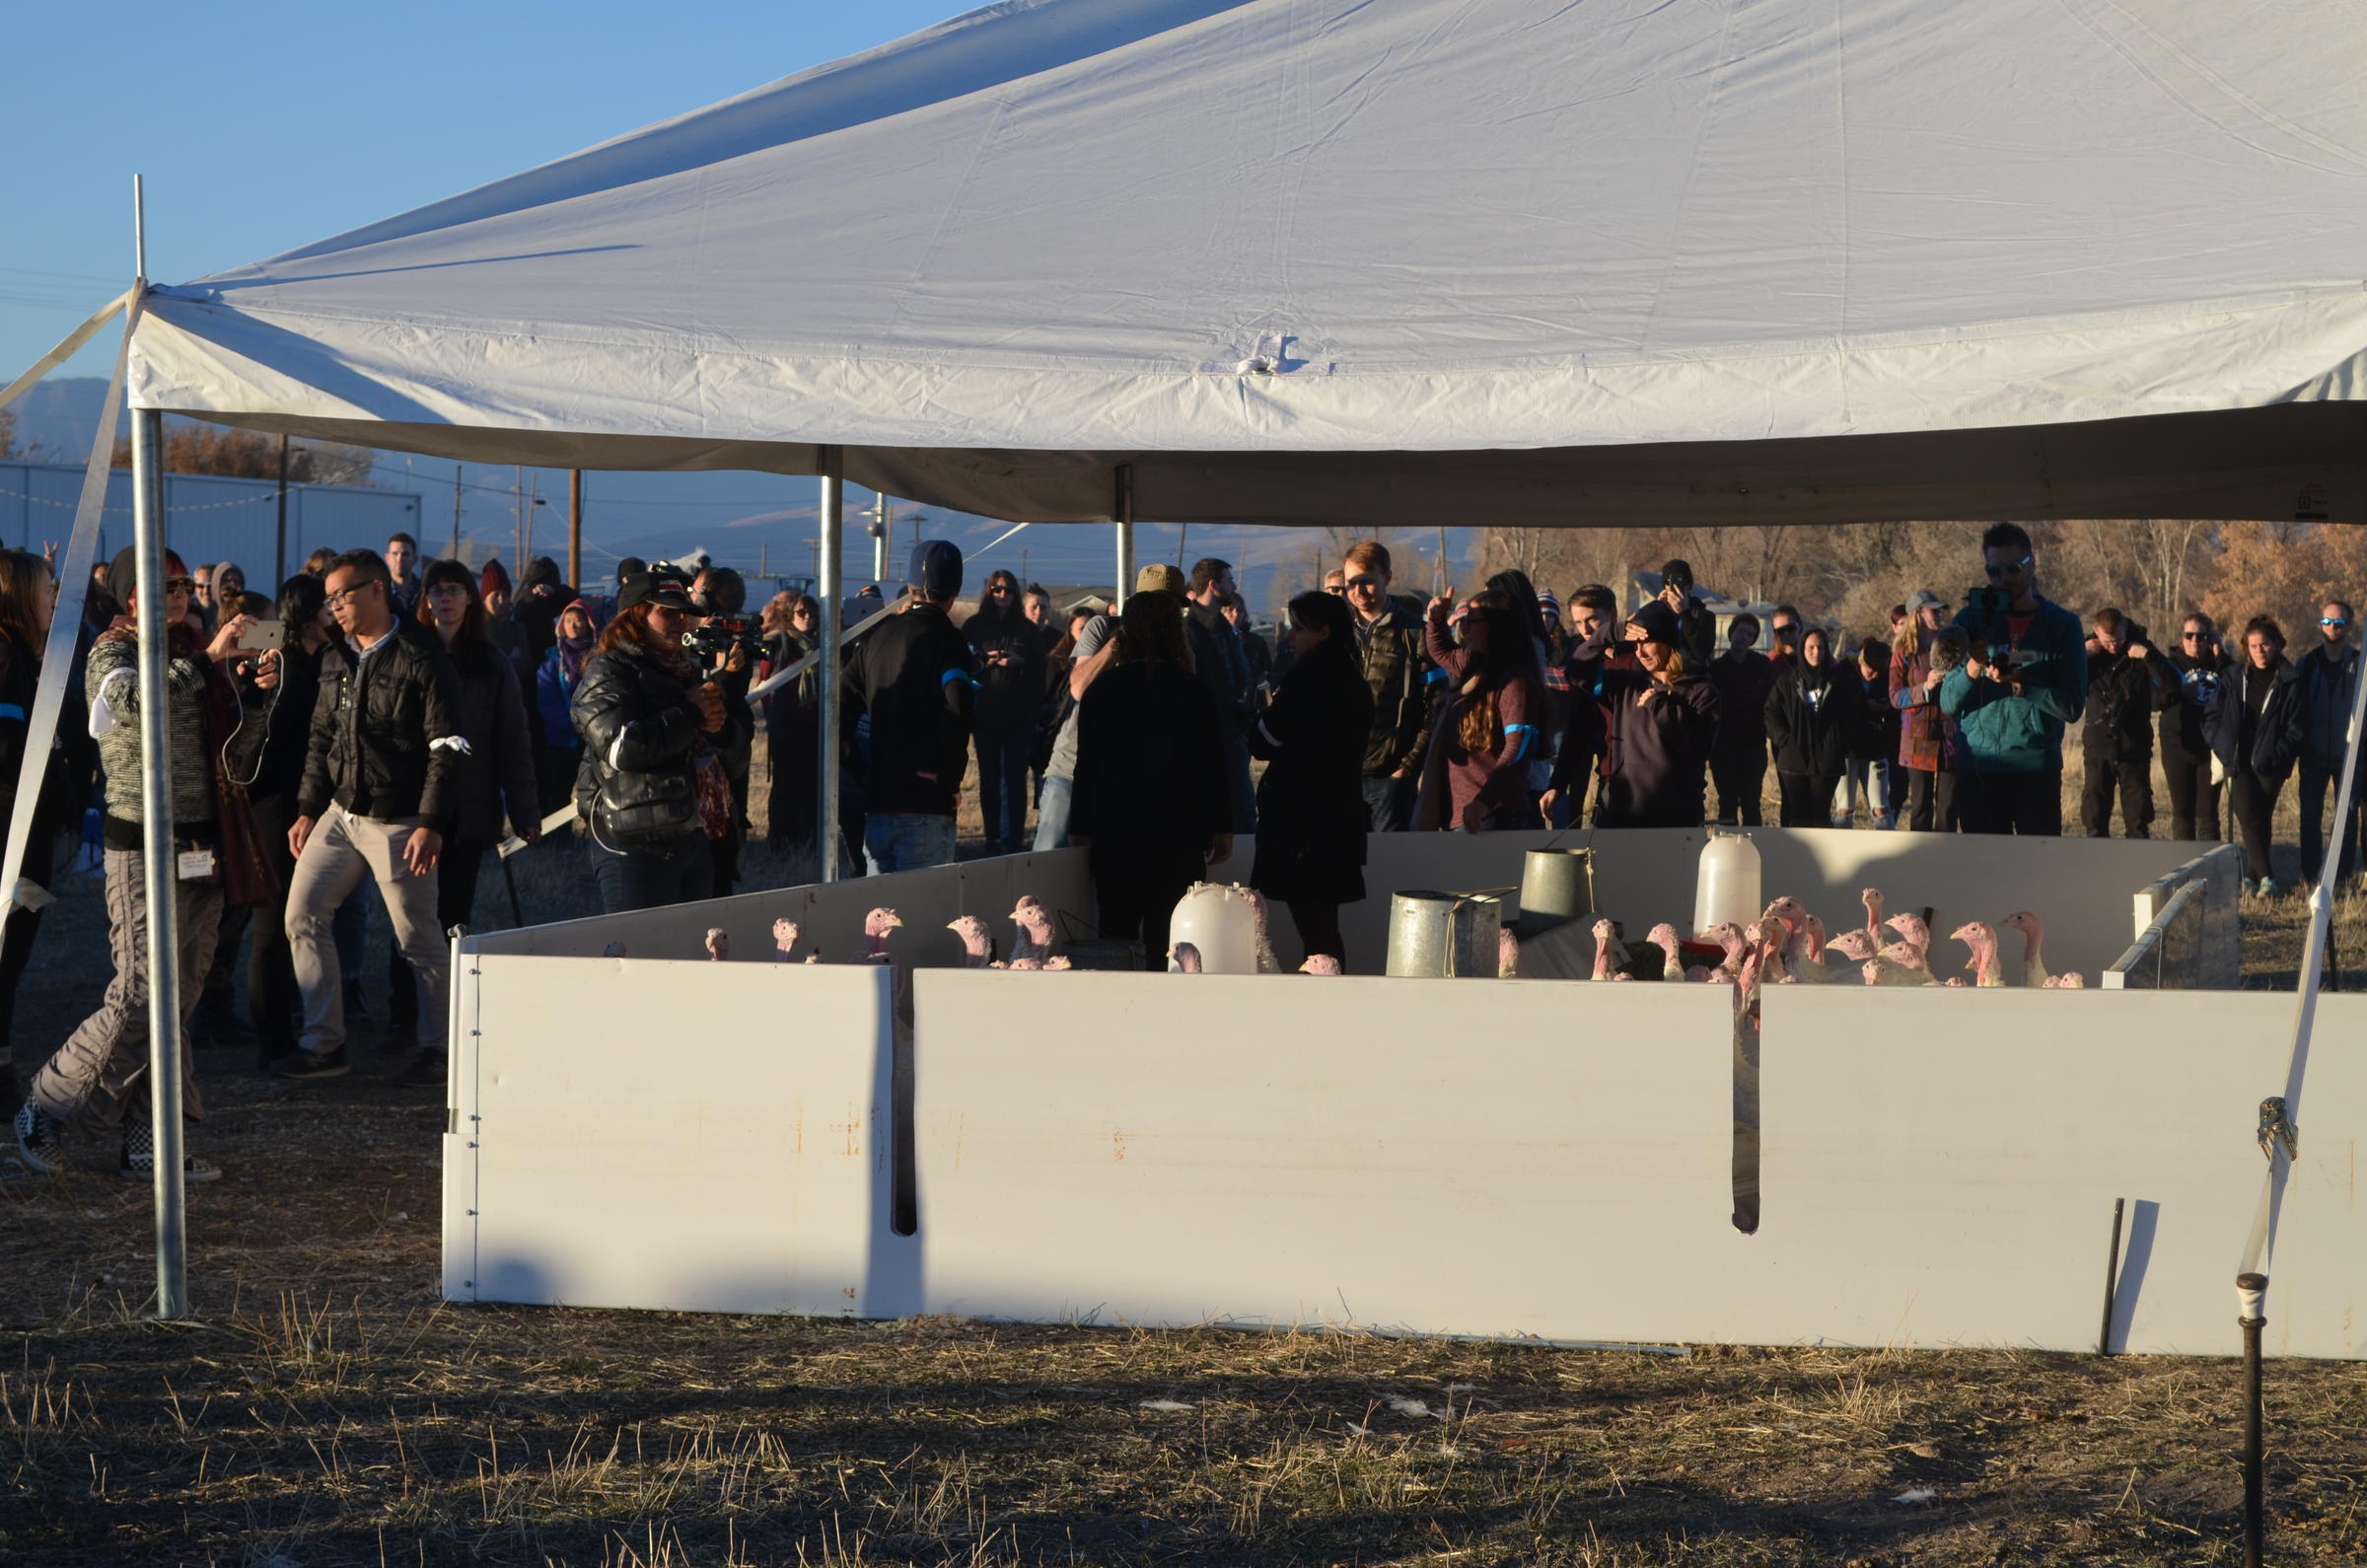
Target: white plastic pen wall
[1538,1159]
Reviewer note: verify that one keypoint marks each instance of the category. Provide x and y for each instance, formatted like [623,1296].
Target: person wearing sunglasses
[2197,663]
[2329,681]
[216,700]
[2027,678]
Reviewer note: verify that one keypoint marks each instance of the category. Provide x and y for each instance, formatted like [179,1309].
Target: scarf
[573,651]
[247,878]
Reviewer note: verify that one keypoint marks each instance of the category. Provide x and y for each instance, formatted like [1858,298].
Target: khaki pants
[343,849]
[92,1079]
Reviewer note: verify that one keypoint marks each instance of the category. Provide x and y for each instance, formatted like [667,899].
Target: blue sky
[269,125]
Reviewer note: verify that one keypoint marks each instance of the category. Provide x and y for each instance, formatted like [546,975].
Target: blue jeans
[1052,812]
[651,879]
[906,842]
[1003,785]
[1391,803]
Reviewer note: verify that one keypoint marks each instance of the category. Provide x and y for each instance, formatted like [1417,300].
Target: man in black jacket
[913,678]
[1395,658]
[375,800]
[2195,667]
[2129,681]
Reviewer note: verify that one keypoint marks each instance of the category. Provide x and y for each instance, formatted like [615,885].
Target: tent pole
[1123,513]
[156,833]
[575,524]
[826,674]
[279,554]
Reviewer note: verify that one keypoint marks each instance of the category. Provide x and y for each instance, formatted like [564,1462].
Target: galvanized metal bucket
[1436,935]
[1558,886]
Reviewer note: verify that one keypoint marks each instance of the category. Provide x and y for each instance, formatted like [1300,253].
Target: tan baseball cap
[1159,577]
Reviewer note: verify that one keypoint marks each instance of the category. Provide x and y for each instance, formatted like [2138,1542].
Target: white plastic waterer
[1726,885]
[1217,919]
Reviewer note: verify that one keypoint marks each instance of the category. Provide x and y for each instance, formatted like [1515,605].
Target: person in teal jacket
[2027,678]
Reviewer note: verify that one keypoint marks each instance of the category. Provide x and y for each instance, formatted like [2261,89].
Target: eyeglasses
[1787,630]
[448,588]
[801,614]
[2331,624]
[344,595]
[2192,636]
[2009,568]
[180,585]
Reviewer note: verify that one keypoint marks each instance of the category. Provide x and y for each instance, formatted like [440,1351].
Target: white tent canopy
[1560,261]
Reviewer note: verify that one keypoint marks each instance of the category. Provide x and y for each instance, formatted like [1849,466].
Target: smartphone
[263,636]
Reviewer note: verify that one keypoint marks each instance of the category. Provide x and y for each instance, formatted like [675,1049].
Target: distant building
[213,519]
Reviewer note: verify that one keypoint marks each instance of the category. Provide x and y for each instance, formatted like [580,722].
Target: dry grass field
[324,1409]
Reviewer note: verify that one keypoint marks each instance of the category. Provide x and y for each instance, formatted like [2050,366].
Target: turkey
[1871,897]
[1508,955]
[1267,963]
[1672,961]
[1915,932]
[719,944]
[1859,949]
[977,943]
[615,949]
[876,926]
[1981,938]
[1319,963]
[1188,958]
[1035,924]
[1903,964]
[784,938]
[2034,968]
[1605,934]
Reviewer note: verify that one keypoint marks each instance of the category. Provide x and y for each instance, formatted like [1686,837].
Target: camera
[1988,600]
[718,636]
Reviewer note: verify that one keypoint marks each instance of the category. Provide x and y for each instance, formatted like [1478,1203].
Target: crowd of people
[387,720]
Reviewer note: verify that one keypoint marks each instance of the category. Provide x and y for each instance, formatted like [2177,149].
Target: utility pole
[575,524]
[532,500]
[1442,558]
[280,554]
[877,527]
[456,512]
[518,527]
[763,551]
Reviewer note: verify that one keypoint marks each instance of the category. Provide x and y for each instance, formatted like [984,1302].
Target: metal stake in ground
[2252,1292]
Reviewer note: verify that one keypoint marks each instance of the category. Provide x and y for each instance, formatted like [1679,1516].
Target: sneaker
[38,1140]
[312,1064]
[139,1158]
[425,1072]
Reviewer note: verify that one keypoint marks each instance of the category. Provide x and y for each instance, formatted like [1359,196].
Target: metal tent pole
[825,796]
[575,526]
[1123,513]
[878,539]
[156,833]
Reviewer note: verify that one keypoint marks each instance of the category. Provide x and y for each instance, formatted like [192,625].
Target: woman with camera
[651,788]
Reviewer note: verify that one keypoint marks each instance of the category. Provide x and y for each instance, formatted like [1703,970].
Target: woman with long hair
[1150,804]
[1814,720]
[1311,811]
[793,721]
[497,770]
[1476,776]
[651,790]
[2254,727]
[1010,651]
[1658,720]
[27,596]
[273,1001]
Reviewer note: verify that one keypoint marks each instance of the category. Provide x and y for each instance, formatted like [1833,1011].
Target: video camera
[1993,643]
[720,634]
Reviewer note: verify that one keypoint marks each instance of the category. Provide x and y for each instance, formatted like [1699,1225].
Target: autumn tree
[232,454]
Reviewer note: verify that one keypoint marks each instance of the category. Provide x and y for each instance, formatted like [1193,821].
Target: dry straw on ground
[323,1408]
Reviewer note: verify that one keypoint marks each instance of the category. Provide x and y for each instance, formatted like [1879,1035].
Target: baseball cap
[1677,574]
[648,588]
[1159,578]
[935,568]
[1925,599]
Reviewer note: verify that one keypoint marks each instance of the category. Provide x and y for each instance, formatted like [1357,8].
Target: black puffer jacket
[636,785]
[376,725]
[2124,696]
[1813,716]
[2264,737]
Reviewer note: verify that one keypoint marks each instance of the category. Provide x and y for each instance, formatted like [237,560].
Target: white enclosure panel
[2082,888]
[830,914]
[1282,1150]
[2317,1277]
[715,1142]
[1939,1168]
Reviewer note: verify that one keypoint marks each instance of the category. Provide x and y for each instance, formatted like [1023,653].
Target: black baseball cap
[936,567]
[1658,622]
[647,588]
[1677,574]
